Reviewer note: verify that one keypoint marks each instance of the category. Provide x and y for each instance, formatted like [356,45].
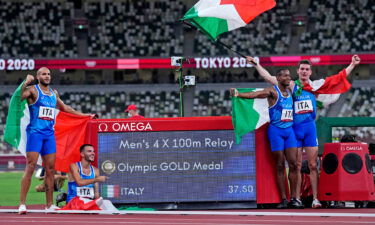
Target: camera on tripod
[189,80]
[177,60]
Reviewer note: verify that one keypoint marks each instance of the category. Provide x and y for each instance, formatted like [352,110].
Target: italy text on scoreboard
[175,160]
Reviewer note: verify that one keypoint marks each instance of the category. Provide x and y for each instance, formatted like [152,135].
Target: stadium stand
[360,102]
[127,28]
[28,31]
[335,28]
[112,104]
[134,28]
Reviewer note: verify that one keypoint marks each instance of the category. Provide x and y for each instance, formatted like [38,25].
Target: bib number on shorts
[301,107]
[46,113]
[287,115]
[86,192]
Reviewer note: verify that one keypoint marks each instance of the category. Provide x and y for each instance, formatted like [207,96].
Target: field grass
[10,185]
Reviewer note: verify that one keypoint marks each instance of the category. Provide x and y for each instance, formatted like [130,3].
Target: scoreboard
[175,160]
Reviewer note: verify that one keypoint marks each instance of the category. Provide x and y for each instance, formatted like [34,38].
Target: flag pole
[181,85]
[219,42]
[225,45]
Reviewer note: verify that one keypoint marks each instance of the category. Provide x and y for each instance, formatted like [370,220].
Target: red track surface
[81,219]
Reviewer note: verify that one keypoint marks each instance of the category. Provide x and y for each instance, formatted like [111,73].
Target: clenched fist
[355,60]
[233,92]
[29,79]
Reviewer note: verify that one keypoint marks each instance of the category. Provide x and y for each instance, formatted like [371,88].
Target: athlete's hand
[251,60]
[101,178]
[29,79]
[233,92]
[355,60]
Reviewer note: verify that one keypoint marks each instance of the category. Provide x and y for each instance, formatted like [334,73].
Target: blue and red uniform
[40,131]
[280,131]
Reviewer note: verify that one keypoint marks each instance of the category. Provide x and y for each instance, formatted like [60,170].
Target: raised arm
[28,92]
[65,108]
[355,61]
[267,92]
[82,182]
[262,72]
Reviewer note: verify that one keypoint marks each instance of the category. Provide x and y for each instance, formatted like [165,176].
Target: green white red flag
[70,132]
[214,17]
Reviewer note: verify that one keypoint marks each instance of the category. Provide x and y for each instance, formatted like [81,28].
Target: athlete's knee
[50,170]
[293,166]
[280,166]
[313,166]
[299,165]
[30,166]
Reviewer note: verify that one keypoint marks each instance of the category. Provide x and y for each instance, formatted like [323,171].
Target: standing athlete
[280,132]
[304,119]
[42,102]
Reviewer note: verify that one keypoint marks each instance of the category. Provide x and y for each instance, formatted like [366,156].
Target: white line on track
[232,213]
[175,220]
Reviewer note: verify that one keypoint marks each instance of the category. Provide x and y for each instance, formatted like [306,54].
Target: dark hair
[278,72]
[83,147]
[348,138]
[304,61]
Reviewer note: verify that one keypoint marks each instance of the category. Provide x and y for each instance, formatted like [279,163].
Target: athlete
[84,177]
[304,118]
[42,102]
[280,132]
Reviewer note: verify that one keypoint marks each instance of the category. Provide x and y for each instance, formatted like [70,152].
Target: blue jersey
[86,191]
[281,113]
[304,106]
[42,113]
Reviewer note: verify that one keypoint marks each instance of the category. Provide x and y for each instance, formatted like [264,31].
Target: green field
[10,190]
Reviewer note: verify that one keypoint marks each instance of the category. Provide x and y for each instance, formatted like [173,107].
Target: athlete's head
[44,76]
[304,70]
[283,77]
[87,152]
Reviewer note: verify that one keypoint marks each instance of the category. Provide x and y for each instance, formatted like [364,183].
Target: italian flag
[69,132]
[214,17]
[80,203]
[328,90]
[248,114]
[110,191]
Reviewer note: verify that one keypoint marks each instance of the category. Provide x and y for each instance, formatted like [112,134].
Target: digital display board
[176,166]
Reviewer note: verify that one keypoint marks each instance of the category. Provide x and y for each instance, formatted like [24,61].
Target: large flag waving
[327,90]
[69,132]
[214,17]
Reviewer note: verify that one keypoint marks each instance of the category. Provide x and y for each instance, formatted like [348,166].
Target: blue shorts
[43,144]
[306,134]
[281,138]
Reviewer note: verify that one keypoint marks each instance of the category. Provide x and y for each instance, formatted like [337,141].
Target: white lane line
[233,213]
[179,221]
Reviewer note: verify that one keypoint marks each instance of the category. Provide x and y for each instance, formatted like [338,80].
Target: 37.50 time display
[17,64]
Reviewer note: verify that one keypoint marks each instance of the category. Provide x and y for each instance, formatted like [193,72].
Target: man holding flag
[305,96]
[280,132]
[42,102]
